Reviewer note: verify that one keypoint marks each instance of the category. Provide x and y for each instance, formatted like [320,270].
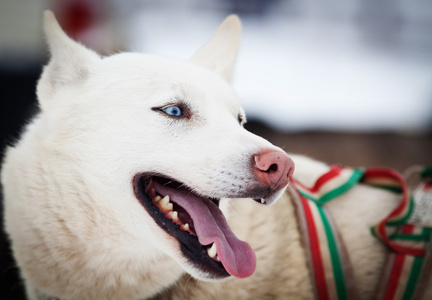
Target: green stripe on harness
[409,245]
[338,191]
[416,270]
[335,257]
[317,197]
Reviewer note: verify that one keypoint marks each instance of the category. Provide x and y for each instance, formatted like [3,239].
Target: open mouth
[198,224]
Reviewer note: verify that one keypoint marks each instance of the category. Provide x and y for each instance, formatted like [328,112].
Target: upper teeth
[165,203]
[174,215]
[166,207]
[185,227]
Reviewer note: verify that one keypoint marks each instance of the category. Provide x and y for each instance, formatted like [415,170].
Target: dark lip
[189,244]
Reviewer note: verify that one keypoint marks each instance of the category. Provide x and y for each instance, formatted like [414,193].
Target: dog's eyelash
[186,112]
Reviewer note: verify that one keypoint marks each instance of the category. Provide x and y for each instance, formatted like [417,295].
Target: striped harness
[406,231]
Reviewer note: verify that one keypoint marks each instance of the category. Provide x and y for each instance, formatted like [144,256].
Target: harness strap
[404,274]
[332,273]
[327,256]
[407,230]
[409,240]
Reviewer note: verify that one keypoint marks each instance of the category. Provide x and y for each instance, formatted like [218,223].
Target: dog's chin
[209,249]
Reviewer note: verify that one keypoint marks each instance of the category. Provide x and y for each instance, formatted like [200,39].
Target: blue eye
[174,111]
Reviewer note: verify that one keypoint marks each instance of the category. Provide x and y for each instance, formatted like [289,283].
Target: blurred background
[346,82]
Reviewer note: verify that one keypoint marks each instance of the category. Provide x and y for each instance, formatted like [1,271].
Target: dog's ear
[69,61]
[220,53]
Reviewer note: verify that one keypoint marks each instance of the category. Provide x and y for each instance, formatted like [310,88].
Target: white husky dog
[116,188]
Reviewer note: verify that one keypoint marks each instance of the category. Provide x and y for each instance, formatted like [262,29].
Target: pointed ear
[69,63]
[220,53]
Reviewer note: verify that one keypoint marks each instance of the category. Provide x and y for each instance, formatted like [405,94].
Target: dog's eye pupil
[173,111]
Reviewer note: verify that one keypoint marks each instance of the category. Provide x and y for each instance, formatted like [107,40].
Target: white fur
[76,227]
[77,230]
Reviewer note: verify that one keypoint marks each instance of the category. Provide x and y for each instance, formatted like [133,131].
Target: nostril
[272,168]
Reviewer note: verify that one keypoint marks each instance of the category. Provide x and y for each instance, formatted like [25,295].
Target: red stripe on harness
[394,277]
[397,268]
[315,251]
[406,269]
[398,211]
[334,172]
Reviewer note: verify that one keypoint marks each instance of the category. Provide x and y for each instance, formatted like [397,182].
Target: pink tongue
[237,256]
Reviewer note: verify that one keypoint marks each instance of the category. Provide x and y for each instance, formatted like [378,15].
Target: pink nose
[274,168]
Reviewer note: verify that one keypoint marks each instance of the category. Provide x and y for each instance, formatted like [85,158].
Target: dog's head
[159,142]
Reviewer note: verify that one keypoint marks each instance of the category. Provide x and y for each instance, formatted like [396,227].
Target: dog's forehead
[174,78]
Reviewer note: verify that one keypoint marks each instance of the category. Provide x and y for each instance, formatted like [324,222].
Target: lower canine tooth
[212,250]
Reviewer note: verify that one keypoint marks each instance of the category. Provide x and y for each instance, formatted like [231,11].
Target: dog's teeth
[167,207]
[212,251]
[185,227]
[262,200]
[157,198]
[173,215]
[165,202]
